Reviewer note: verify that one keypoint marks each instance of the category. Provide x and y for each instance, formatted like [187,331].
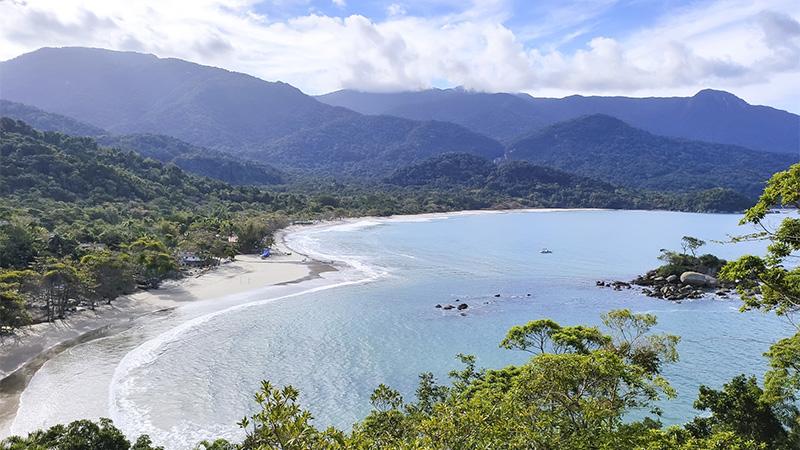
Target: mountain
[608,149]
[197,160]
[270,122]
[446,170]
[194,159]
[515,178]
[46,121]
[50,165]
[501,116]
[712,116]
[522,184]
[373,145]
[127,92]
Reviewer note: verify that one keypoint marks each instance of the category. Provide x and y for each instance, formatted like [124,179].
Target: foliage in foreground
[573,393]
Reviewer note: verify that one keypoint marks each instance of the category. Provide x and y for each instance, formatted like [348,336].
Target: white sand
[23,355]
[245,274]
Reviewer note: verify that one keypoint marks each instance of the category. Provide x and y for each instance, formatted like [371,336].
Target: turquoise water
[336,345]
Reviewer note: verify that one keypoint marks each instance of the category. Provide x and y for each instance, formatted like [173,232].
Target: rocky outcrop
[698,279]
[689,285]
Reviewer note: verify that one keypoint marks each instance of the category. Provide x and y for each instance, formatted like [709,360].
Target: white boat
[546,251]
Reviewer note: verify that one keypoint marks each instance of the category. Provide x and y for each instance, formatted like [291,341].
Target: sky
[541,47]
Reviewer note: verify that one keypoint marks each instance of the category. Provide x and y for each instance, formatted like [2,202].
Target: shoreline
[22,356]
[225,280]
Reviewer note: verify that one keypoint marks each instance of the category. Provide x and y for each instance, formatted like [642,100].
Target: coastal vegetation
[576,391]
[83,224]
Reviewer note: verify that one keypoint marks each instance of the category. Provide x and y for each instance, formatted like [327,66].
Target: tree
[772,283]
[109,275]
[20,242]
[153,260]
[739,408]
[61,282]
[531,337]
[282,424]
[251,234]
[78,435]
[691,244]
[573,393]
[13,311]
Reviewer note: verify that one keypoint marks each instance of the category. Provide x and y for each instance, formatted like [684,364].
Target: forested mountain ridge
[275,124]
[501,116]
[519,183]
[608,149]
[49,165]
[167,149]
[197,160]
[47,121]
[373,145]
[128,92]
[134,93]
[709,115]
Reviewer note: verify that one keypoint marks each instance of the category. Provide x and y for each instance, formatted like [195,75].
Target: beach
[21,356]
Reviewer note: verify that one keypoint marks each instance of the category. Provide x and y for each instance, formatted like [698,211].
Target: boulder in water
[698,279]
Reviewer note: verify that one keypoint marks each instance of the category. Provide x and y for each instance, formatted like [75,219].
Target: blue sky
[545,48]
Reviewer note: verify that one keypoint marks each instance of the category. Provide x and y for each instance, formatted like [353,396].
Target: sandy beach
[21,356]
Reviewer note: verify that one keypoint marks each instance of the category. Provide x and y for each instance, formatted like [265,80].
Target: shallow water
[336,344]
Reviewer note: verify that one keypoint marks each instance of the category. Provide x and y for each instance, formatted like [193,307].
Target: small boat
[546,251]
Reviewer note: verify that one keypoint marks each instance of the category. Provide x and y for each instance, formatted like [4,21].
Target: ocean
[192,374]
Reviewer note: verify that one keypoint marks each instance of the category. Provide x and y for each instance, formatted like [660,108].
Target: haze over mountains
[126,92]
[712,116]
[239,128]
[194,159]
[608,149]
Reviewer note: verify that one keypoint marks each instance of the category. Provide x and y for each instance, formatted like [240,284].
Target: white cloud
[395,9]
[736,44]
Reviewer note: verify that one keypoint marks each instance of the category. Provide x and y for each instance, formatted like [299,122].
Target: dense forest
[608,149]
[197,160]
[84,223]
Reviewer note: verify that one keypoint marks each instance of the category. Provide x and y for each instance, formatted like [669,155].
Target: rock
[463,306]
[528,294]
[497,295]
[463,314]
[658,279]
[448,307]
[600,283]
[458,300]
[698,279]
[672,279]
[438,306]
